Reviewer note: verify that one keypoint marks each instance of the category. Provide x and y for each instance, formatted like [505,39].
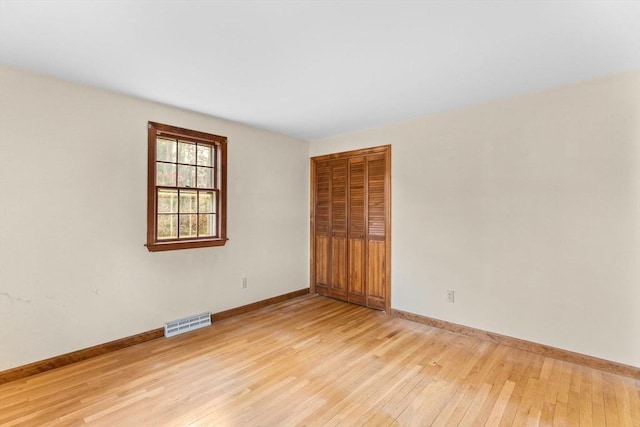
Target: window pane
[167,201]
[165,174]
[205,155]
[207,202]
[186,176]
[205,178]
[167,226]
[207,225]
[166,149]
[188,225]
[186,152]
[188,202]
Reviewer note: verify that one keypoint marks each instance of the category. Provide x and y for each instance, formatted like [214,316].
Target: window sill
[186,244]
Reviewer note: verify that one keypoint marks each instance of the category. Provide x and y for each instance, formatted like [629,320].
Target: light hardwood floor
[316,361]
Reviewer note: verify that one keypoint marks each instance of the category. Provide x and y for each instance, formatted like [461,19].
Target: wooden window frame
[219,143]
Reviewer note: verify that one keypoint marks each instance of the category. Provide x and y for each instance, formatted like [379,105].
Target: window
[186,191]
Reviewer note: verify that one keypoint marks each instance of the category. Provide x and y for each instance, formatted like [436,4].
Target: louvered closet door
[338,281]
[357,230]
[376,232]
[350,226]
[322,231]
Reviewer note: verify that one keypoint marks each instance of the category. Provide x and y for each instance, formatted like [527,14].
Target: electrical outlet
[244,283]
[451,296]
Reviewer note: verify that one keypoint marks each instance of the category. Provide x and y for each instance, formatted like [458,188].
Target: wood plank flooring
[319,362]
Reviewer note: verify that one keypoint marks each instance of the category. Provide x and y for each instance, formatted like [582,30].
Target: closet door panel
[339,267]
[376,231]
[322,264]
[357,229]
[376,207]
[357,194]
[356,272]
[339,198]
[376,275]
[322,227]
[322,198]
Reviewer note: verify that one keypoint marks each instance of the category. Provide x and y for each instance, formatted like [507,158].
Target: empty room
[319,213]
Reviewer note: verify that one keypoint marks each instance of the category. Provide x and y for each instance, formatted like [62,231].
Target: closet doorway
[351,226]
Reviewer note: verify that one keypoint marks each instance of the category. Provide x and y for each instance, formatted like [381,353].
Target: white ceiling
[311,69]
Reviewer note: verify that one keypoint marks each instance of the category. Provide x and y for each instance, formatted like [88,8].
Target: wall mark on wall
[13,299]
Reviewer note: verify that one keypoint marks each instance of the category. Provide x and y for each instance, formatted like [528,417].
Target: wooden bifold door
[350,226]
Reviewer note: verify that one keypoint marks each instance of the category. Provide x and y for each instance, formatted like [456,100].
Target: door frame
[382,149]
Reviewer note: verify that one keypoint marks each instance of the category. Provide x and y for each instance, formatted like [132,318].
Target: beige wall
[73,268]
[528,208]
